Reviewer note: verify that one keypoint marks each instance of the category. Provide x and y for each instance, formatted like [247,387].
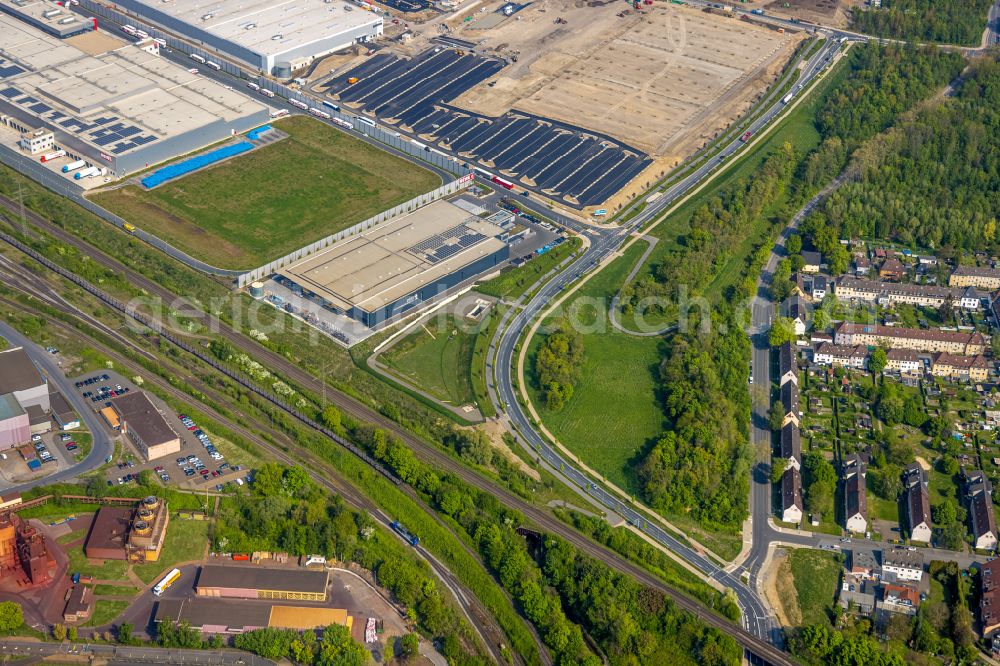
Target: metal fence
[409,206]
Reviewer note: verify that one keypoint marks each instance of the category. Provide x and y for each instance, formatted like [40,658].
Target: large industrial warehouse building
[49,17]
[273,37]
[255,583]
[124,110]
[399,264]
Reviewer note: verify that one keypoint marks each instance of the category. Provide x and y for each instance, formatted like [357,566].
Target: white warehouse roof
[267,27]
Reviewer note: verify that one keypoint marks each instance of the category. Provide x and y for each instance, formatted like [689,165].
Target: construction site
[651,81]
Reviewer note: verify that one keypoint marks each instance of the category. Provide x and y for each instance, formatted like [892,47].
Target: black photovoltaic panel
[40,108]
[9,70]
[10,93]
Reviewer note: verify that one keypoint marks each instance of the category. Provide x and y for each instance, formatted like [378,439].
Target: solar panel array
[113,134]
[447,244]
[582,167]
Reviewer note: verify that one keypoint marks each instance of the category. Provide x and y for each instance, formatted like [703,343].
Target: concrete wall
[15,431]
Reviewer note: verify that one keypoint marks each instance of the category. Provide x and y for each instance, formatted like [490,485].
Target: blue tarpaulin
[187,166]
[254,134]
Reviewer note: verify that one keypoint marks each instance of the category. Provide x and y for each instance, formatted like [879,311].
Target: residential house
[790,404]
[903,361]
[954,366]
[975,276]
[791,445]
[989,598]
[902,565]
[855,496]
[799,314]
[819,288]
[918,504]
[921,295]
[979,495]
[791,496]
[848,356]
[811,262]
[899,599]
[864,563]
[892,269]
[926,340]
[812,287]
[788,367]
[858,594]
[862,266]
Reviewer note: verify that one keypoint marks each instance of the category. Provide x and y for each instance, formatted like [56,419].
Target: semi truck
[301,105]
[86,173]
[73,166]
[167,581]
[48,157]
[787,98]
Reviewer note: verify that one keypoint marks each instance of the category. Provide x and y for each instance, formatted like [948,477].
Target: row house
[918,503]
[790,404]
[903,361]
[926,340]
[853,356]
[979,495]
[791,496]
[953,366]
[855,497]
[921,295]
[975,276]
[791,446]
[989,598]
[788,366]
[902,565]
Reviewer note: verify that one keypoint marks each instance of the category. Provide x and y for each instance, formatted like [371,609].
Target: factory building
[23,552]
[15,426]
[132,534]
[399,264]
[271,37]
[219,616]
[18,375]
[256,583]
[145,426]
[121,111]
[49,17]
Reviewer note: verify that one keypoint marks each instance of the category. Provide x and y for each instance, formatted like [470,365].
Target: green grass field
[614,412]
[436,357]
[817,575]
[186,541]
[266,203]
[514,282]
[105,610]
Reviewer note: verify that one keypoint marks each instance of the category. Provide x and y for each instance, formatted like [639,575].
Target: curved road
[604,244]
[103,443]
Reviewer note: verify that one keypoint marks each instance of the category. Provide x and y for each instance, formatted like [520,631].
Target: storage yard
[121,110]
[574,99]
[260,205]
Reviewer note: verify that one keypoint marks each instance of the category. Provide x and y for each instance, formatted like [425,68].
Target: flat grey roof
[217,612]
[142,417]
[257,578]
[396,258]
[59,19]
[17,371]
[117,102]
[253,24]
[60,408]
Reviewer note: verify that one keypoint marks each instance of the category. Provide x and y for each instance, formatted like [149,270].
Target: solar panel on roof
[10,92]
[10,70]
[40,108]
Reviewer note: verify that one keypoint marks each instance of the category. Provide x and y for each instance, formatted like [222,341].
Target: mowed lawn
[437,358]
[817,575]
[264,204]
[186,542]
[614,412]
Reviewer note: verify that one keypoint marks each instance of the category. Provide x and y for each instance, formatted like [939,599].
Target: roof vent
[276,37]
[207,16]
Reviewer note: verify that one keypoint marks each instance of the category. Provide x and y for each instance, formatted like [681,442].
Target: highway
[605,243]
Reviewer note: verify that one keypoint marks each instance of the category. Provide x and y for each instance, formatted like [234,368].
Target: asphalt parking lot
[199,464]
[557,159]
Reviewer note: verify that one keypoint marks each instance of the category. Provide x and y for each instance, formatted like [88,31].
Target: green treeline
[701,465]
[930,182]
[285,511]
[558,363]
[944,21]
[625,618]
[716,229]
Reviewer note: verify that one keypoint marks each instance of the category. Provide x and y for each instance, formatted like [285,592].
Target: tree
[776,415]
[945,513]
[71,633]
[146,478]
[794,244]
[409,646]
[819,498]
[11,615]
[877,361]
[558,364]
[782,331]
[124,633]
[331,418]
[949,465]
[778,466]
[821,319]
[95,487]
[59,631]
[886,482]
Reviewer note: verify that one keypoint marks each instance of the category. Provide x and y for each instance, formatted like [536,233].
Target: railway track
[328,479]
[429,453]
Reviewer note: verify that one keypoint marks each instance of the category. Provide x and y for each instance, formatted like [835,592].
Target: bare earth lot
[834,13]
[663,81]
